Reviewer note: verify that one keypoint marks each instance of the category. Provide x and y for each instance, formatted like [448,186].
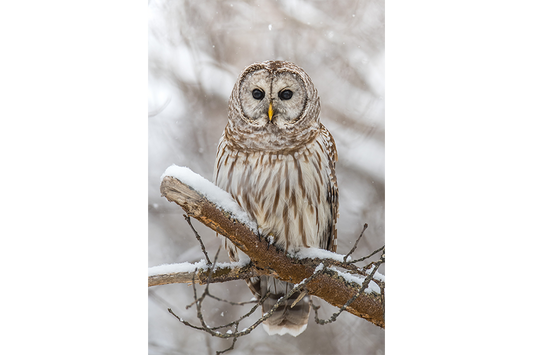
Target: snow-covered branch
[217,210]
[199,273]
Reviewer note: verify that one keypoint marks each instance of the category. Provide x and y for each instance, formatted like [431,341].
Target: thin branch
[385,255]
[249,313]
[232,343]
[231,302]
[188,219]
[356,242]
[368,256]
[213,330]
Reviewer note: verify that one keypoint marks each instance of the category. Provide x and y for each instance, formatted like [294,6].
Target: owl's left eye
[258,94]
[285,94]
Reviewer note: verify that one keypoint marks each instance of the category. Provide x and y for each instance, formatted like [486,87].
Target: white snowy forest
[197,49]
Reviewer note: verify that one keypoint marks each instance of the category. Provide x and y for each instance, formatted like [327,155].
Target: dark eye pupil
[258,94]
[285,94]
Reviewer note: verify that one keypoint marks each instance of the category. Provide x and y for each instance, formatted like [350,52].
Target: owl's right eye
[258,94]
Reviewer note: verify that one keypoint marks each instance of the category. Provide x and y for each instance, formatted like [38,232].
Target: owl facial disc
[272,97]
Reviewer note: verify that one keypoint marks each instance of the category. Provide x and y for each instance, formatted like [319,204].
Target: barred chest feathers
[284,192]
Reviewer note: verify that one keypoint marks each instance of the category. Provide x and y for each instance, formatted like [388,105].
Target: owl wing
[330,237]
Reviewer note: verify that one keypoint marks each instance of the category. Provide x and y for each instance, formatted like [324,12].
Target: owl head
[273,102]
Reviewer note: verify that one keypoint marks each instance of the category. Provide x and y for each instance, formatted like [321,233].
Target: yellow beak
[270,112]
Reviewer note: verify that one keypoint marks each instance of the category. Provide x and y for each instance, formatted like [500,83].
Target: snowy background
[196,51]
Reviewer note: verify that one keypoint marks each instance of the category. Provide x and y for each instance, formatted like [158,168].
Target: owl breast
[289,194]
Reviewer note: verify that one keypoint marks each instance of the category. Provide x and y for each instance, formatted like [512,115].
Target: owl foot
[270,241]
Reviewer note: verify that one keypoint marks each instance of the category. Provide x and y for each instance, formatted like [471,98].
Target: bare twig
[368,256]
[385,255]
[249,313]
[231,302]
[213,267]
[213,330]
[232,343]
[356,242]
[188,219]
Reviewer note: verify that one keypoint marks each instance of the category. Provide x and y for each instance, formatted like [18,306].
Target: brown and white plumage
[278,162]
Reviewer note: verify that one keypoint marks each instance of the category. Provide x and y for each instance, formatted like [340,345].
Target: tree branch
[330,285]
[356,242]
[188,219]
[221,274]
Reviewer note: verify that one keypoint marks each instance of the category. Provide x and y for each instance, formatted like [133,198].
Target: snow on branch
[214,194]
[199,273]
[216,209]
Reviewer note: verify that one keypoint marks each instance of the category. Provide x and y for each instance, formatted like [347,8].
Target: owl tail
[286,319]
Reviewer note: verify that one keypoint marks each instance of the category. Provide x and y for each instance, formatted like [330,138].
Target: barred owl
[278,162]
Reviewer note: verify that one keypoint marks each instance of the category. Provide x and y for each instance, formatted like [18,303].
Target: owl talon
[268,240]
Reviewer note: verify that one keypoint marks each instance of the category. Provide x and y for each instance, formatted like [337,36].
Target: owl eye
[285,94]
[258,94]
